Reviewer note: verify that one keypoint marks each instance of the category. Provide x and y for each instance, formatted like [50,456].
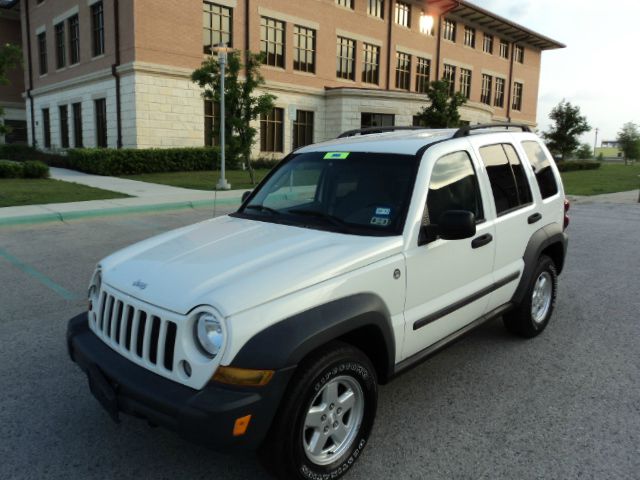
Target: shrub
[22,153]
[10,169]
[578,165]
[35,169]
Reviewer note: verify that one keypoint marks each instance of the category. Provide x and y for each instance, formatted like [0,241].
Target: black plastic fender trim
[287,342]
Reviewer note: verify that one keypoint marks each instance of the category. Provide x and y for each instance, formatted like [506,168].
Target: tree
[629,140]
[10,57]
[242,104]
[563,136]
[443,109]
[584,152]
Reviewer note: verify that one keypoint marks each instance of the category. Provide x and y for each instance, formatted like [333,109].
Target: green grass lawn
[610,178]
[21,191]
[203,180]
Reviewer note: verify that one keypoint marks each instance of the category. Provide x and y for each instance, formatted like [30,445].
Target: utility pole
[595,144]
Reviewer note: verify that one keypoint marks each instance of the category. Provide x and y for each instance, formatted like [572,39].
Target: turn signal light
[241,425]
[243,376]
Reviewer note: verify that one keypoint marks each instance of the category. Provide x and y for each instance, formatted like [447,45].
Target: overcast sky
[599,70]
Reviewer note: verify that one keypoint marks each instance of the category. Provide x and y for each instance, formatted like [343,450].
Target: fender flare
[539,241]
[287,342]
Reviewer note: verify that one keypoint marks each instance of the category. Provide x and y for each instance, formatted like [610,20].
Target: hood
[235,264]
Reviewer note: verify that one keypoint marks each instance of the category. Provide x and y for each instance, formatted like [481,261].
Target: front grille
[142,335]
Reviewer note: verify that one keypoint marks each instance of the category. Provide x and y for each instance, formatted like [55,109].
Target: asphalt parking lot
[565,405]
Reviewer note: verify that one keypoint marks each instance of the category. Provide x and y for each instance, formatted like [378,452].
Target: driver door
[446,278]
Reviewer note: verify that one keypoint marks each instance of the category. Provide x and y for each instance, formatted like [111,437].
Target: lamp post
[595,144]
[222,50]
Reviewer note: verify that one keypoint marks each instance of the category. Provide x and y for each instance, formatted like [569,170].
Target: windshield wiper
[335,221]
[262,208]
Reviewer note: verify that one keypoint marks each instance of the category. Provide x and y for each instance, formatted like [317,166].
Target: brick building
[11,95]
[116,72]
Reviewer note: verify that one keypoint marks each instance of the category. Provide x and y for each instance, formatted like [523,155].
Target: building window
[101,122]
[371,64]
[272,41]
[504,49]
[217,23]
[345,3]
[64,126]
[423,75]
[449,76]
[303,129]
[498,101]
[368,120]
[61,51]
[42,53]
[46,128]
[77,125]
[518,52]
[403,71]
[17,133]
[469,37]
[304,49]
[517,96]
[272,131]
[426,24]
[487,84]
[346,60]
[97,28]
[74,39]
[375,8]
[449,30]
[211,123]
[465,82]
[403,14]
[487,44]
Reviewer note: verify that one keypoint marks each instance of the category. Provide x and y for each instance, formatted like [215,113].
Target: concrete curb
[104,212]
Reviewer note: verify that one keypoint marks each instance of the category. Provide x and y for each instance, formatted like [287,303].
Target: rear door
[513,210]
[446,278]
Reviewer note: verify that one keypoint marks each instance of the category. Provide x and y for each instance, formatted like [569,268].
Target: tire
[331,373]
[531,317]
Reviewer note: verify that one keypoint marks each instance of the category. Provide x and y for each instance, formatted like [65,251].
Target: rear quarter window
[542,168]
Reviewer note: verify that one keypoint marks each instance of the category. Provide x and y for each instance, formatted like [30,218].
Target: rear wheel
[531,317]
[326,417]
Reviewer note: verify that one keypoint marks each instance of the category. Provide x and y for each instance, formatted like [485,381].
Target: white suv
[355,259]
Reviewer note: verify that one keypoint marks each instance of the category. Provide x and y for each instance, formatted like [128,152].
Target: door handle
[536,217]
[481,241]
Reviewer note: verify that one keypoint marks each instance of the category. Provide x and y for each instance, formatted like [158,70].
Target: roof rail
[372,130]
[467,129]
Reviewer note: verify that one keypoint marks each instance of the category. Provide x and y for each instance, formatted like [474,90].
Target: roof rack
[467,129]
[372,130]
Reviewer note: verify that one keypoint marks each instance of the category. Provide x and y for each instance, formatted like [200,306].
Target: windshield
[348,192]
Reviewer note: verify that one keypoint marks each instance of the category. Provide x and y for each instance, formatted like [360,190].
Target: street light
[222,51]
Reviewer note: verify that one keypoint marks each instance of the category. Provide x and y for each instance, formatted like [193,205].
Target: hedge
[578,165]
[23,153]
[29,169]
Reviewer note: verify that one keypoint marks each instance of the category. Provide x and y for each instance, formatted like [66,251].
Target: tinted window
[453,186]
[542,168]
[509,182]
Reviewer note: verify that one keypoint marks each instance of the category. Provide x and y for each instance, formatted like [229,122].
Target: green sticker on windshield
[336,156]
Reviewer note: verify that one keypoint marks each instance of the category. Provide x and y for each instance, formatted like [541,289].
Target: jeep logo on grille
[140,284]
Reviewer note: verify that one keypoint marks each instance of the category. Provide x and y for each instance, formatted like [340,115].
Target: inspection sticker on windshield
[336,156]
[383,212]
[380,221]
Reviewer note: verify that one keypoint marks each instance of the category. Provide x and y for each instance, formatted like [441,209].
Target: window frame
[449,30]
[218,11]
[77,125]
[402,14]
[423,80]
[505,47]
[61,48]
[46,127]
[63,116]
[303,126]
[101,122]
[499,96]
[487,89]
[273,25]
[518,93]
[272,131]
[348,45]
[370,70]
[43,59]
[302,36]
[403,71]
[487,43]
[348,4]
[452,81]
[518,54]
[469,37]
[97,29]
[375,8]
[73,28]
[465,86]
[381,116]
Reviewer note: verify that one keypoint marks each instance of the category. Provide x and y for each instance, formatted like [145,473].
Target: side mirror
[452,225]
[245,195]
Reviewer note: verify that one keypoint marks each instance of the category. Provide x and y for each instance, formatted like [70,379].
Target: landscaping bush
[35,169]
[30,169]
[135,161]
[23,153]
[578,165]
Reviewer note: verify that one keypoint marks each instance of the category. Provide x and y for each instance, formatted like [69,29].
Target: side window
[542,168]
[508,180]
[453,186]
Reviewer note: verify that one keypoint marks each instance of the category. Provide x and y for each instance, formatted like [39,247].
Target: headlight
[209,334]
[94,288]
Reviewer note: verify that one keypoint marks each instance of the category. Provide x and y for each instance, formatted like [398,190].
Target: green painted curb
[163,207]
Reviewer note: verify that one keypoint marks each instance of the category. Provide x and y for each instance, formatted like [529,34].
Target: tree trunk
[252,174]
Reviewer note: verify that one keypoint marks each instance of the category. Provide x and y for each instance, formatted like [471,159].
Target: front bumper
[204,416]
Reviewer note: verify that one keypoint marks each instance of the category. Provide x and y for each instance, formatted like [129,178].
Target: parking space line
[40,277]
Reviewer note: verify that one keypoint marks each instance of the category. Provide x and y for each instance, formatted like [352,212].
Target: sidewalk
[147,197]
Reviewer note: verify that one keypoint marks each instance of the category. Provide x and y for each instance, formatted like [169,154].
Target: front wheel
[326,417]
[531,317]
